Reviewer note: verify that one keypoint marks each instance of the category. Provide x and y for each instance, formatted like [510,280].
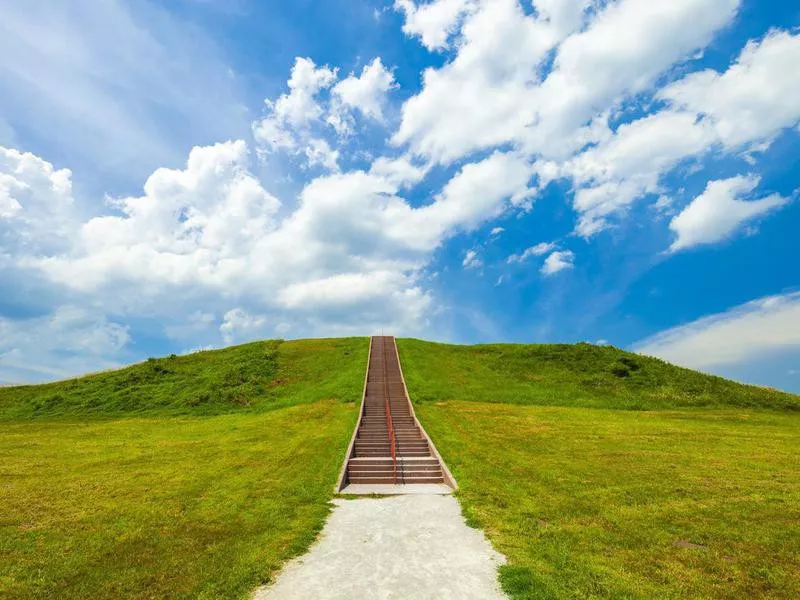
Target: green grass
[252,377]
[198,476]
[570,375]
[696,494]
[126,487]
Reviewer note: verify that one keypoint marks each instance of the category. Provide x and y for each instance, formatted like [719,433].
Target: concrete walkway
[413,546]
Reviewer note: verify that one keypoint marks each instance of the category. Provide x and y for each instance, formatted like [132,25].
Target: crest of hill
[271,374]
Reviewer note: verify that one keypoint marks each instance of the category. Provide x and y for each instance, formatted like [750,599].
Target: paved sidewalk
[414,546]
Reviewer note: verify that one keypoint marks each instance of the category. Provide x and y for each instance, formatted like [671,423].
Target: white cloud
[342,289]
[471,260]
[499,61]
[240,326]
[630,164]
[190,225]
[477,193]
[433,22]
[719,211]
[737,107]
[302,121]
[558,261]
[754,99]
[401,172]
[595,68]
[499,49]
[752,330]
[319,152]
[67,342]
[288,119]
[35,204]
[537,250]
[348,257]
[522,94]
[299,107]
[365,94]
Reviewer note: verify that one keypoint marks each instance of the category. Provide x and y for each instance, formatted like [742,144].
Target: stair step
[369,480]
[386,401]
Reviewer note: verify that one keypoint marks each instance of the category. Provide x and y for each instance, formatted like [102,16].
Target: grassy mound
[251,377]
[183,477]
[570,375]
[696,497]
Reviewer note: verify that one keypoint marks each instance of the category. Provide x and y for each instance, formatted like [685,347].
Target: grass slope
[570,375]
[123,485]
[251,377]
[696,497]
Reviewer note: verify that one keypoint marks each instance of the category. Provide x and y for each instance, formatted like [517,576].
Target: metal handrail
[389,423]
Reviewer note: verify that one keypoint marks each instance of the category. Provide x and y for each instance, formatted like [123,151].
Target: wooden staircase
[389,446]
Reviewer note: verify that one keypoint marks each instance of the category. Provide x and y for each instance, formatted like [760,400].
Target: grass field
[124,485]
[600,474]
[693,495]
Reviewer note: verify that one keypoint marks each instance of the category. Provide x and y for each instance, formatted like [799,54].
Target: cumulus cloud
[557,261]
[300,122]
[319,152]
[299,107]
[365,94]
[35,204]
[288,123]
[347,257]
[501,51]
[752,330]
[433,22]
[630,164]
[190,225]
[401,171]
[719,211]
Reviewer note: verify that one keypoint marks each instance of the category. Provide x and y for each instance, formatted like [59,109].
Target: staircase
[389,446]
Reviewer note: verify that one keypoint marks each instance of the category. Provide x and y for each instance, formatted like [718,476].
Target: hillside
[570,375]
[597,472]
[251,377]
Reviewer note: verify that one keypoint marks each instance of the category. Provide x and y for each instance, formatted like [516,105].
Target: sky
[190,174]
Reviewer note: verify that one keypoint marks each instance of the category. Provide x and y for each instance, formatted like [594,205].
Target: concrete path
[414,546]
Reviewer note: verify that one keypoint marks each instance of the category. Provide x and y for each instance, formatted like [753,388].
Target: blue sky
[194,173]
